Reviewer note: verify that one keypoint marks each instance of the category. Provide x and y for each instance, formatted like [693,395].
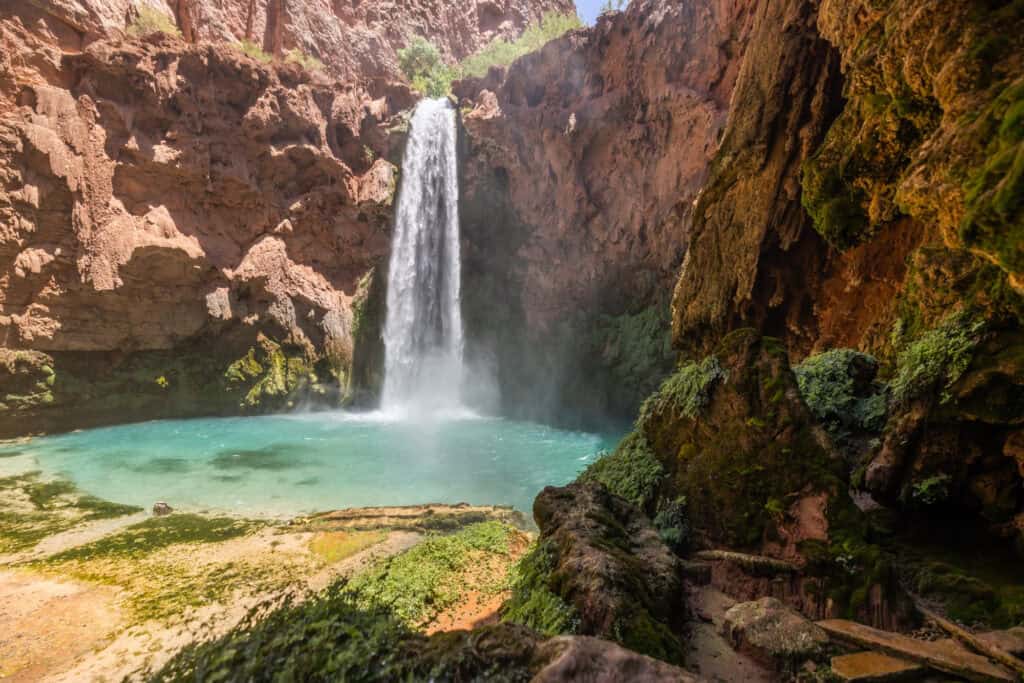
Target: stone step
[936,655]
[875,667]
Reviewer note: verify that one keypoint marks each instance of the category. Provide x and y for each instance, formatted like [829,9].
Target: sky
[589,9]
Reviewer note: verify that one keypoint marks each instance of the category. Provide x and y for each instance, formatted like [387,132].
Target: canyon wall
[582,163]
[842,177]
[189,229]
[356,40]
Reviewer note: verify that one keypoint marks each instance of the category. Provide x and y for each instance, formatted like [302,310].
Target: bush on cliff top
[150,20]
[424,65]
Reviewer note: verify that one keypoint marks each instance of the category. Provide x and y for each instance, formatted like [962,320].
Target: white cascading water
[423,342]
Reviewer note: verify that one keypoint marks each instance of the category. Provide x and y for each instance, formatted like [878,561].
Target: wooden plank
[757,564]
[955,661]
[875,667]
[990,650]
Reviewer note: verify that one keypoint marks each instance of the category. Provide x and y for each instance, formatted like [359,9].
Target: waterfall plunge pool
[287,465]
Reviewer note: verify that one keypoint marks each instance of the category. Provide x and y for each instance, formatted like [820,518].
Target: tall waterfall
[423,341]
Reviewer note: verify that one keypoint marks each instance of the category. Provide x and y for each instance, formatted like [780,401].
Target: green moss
[673,525]
[687,391]
[421,582]
[270,374]
[828,383]
[994,206]
[631,471]
[244,369]
[533,603]
[48,508]
[154,534]
[642,633]
[936,360]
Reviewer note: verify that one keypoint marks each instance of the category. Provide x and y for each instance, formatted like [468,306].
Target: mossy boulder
[737,442]
[600,569]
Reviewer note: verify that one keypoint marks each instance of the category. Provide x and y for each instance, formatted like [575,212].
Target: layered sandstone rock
[355,40]
[181,201]
[583,161]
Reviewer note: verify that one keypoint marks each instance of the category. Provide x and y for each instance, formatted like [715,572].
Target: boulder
[773,633]
[602,567]
[161,509]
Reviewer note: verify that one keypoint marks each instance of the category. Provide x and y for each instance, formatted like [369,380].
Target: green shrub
[828,385]
[932,490]
[631,471]
[307,62]
[150,20]
[673,526]
[687,392]
[937,359]
[424,66]
[533,603]
[255,51]
[502,52]
[422,581]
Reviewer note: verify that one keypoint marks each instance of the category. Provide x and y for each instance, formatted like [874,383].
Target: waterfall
[423,343]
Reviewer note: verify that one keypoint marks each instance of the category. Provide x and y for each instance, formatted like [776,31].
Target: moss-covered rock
[631,471]
[741,444]
[271,375]
[600,569]
[840,389]
[369,307]
[932,127]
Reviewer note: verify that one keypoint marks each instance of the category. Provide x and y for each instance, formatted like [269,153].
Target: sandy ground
[53,629]
[708,653]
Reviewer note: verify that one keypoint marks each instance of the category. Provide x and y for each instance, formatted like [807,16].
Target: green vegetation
[32,509]
[931,490]
[326,638]
[155,534]
[829,385]
[632,471]
[270,374]
[673,525]
[937,359]
[307,62]
[420,583]
[424,65]
[255,51]
[334,546]
[687,392]
[635,349]
[994,216]
[150,20]
[532,602]
[502,52]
